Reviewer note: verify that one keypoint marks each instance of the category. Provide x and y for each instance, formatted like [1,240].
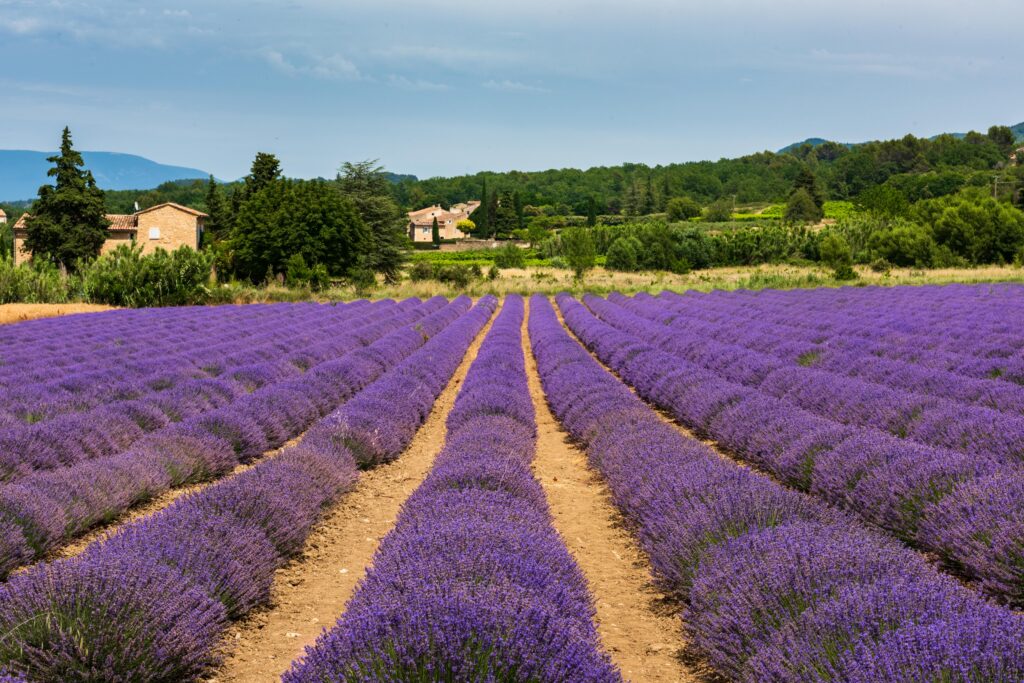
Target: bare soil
[310,593]
[15,313]
[639,628]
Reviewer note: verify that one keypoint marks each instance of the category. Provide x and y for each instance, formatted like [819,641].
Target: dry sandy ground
[311,592]
[14,313]
[639,630]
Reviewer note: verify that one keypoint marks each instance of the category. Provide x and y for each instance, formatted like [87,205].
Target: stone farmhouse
[164,226]
[421,223]
[3,216]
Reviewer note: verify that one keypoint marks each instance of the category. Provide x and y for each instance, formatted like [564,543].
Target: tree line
[263,229]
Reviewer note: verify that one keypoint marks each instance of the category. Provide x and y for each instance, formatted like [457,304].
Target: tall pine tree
[217,224]
[68,221]
[480,216]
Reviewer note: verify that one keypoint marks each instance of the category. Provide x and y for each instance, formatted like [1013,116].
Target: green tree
[367,185]
[311,218]
[835,252]
[579,250]
[622,254]
[536,233]
[801,208]
[435,233]
[218,223]
[505,218]
[806,180]
[1003,138]
[884,201]
[718,211]
[481,215]
[591,212]
[68,221]
[682,209]
[265,170]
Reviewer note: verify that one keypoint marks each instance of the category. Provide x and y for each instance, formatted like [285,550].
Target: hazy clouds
[444,86]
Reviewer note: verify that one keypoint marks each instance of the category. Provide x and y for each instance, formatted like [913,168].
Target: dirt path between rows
[311,592]
[16,313]
[640,630]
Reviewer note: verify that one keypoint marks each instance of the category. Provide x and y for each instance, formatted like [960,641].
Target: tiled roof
[3,214]
[120,221]
[179,207]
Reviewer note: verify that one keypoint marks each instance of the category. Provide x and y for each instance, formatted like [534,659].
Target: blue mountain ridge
[23,171]
[1018,130]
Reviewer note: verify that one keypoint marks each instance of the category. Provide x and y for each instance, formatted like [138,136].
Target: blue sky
[441,87]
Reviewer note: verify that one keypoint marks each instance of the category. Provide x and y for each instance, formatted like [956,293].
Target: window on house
[154,233]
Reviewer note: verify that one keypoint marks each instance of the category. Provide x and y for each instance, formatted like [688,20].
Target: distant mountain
[1018,130]
[22,172]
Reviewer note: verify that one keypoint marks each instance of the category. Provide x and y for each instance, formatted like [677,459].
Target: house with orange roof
[421,222]
[164,226]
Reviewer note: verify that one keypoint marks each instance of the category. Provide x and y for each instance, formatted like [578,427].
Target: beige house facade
[164,226]
[421,223]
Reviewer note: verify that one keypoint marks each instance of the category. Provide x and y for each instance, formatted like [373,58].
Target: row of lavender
[151,602]
[777,587]
[971,330]
[50,507]
[133,356]
[964,505]
[473,583]
[753,327]
[117,425]
[928,419]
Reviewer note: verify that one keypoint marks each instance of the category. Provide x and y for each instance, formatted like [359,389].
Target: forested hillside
[918,167]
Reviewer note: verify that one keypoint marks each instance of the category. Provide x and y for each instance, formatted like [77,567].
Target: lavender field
[809,485]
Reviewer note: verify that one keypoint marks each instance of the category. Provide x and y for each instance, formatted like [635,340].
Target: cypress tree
[481,217]
[68,221]
[435,233]
[591,211]
[217,225]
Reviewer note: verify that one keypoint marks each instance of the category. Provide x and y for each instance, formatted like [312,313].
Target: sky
[445,87]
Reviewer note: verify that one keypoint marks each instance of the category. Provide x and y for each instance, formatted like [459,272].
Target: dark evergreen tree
[801,208]
[517,204]
[435,233]
[68,221]
[491,214]
[649,201]
[218,224]
[666,191]
[265,170]
[481,215]
[367,184]
[310,218]
[591,211]
[805,180]
[505,219]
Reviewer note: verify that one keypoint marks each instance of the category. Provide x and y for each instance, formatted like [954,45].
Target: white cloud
[331,67]
[514,86]
[416,84]
[22,26]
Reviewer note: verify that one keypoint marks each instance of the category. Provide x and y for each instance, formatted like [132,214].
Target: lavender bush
[473,583]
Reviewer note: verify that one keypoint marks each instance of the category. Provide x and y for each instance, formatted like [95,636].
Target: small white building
[3,216]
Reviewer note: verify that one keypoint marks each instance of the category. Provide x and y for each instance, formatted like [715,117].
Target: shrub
[622,254]
[125,277]
[35,283]
[682,209]
[580,253]
[835,252]
[719,211]
[421,270]
[801,208]
[298,274]
[510,256]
